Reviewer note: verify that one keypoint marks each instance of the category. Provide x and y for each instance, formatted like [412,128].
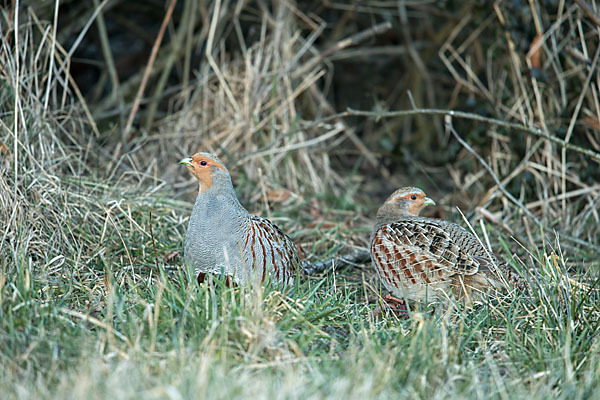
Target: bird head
[403,202]
[208,169]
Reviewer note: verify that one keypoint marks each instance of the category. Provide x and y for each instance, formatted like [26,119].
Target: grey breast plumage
[223,238]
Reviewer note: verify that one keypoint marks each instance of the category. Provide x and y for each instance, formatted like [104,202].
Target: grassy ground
[94,302]
[149,334]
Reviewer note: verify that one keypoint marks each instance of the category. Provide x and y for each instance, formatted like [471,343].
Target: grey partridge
[223,238]
[420,258]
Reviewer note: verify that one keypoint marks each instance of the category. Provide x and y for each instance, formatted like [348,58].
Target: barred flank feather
[419,258]
[269,249]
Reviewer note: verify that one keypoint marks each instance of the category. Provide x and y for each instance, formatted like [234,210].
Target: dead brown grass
[258,87]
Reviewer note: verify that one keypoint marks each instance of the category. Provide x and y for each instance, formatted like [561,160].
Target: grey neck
[390,213]
[221,192]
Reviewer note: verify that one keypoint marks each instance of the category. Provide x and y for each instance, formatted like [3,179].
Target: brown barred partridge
[223,238]
[420,258]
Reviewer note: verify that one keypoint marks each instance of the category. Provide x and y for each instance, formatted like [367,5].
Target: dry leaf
[591,122]
[324,224]
[278,195]
[171,256]
[301,252]
[536,46]
[316,211]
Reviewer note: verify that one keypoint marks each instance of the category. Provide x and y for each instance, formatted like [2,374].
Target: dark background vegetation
[472,56]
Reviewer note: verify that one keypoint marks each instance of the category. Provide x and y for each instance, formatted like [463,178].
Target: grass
[94,301]
[165,337]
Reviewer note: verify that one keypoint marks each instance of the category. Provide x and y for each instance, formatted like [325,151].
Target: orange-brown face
[413,199]
[202,167]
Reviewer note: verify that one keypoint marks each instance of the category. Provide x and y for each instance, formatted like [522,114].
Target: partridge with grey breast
[223,238]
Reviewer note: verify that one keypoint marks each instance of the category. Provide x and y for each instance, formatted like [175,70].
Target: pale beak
[428,202]
[186,161]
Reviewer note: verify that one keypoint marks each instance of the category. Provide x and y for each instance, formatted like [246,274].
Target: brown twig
[176,43]
[357,38]
[352,257]
[342,44]
[140,92]
[448,122]
[461,114]
[153,243]
[589,11]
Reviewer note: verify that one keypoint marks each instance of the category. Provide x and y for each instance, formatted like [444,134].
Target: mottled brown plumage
[420,258]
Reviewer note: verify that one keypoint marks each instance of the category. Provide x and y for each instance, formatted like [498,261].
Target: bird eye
[413,197]
[203,163]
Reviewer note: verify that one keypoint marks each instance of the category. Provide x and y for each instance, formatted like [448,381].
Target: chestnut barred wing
[270,251]
[418,251]
[401,265]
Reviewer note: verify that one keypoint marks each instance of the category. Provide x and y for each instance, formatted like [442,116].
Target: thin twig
[176,44]
[461,114]
[589,11]
[17,96]
[448,122]
[52,49]
[592,72]
[352,257]
[153,243]
[342,44]
[155,47]
[80,37]
[110,65]
[338,128]
[350,133]
[211,61]
[78,94]
[357,38]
